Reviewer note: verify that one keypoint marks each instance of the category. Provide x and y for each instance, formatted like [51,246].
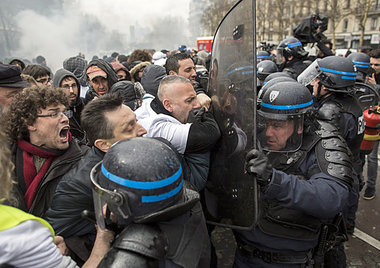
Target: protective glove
[196,115]
[257,165]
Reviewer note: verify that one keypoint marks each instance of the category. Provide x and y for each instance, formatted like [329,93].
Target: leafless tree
[362,9]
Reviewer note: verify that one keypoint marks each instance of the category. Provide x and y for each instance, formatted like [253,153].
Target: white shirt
[162,125]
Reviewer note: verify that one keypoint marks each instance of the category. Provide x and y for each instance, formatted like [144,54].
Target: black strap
[302,257]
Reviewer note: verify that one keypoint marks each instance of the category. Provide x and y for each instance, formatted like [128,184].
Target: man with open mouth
[37,125]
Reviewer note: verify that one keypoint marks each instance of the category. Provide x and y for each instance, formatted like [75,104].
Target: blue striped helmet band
[296,44]
[287,107]
[345,75]
[149,185]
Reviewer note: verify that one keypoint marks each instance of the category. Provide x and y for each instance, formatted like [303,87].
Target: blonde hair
[6,168]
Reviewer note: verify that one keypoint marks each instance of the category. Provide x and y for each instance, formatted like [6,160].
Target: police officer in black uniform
[333,80]
[141,183]
[291,56]
[304,172]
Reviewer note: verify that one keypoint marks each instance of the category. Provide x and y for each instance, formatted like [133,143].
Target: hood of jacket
[151,78]
[60,75]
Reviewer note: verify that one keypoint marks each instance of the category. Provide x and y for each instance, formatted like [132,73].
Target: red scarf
[31,178]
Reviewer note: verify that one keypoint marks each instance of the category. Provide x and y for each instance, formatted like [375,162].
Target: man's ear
[102,144]
[31,128]
[171,72]
[167,105]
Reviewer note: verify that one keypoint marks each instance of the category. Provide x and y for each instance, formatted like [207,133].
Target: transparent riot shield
[231,194]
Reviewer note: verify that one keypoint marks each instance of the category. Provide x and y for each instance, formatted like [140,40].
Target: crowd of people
[106,163]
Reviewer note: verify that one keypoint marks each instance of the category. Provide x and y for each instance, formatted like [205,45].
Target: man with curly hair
[37,125]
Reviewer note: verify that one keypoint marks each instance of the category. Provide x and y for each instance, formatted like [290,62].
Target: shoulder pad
[334,159]
[147,240]
[330,111]
[117,258]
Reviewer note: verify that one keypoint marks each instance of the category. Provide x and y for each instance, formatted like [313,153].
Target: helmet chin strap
[319,96]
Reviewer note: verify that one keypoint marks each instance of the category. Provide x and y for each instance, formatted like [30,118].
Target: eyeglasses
[44,81]
[67,113]
[70,86]
[375,64]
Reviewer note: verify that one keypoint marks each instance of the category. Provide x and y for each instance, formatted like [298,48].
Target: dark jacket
[46,189]
[76,107]
[111,77]
[72,196]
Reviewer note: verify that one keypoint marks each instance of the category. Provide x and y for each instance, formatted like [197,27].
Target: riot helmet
[281,116]
[239,76]
[138,179]
[271,82]
[288,47]
[265,68]
[335,73]
[362,64]
[263,55]
[275,75]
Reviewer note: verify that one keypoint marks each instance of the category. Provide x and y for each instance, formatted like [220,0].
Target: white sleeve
[30,244]
[169,128]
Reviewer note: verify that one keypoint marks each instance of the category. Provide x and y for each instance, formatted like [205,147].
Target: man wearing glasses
[67,81]
[37,124]
[39,73]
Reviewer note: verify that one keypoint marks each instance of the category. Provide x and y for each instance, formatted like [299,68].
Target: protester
[10,84]
[101,77]
[106,120]
[37,124]
[70,84]
[26,240]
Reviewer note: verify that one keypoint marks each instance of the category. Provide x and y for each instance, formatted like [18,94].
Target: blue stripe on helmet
[337,72]
[287,107]
[296,44]
[348,77]
[357,63]
[240,68]
[363,66]
[142,184]
[247,72]
[263,57]
[160,197]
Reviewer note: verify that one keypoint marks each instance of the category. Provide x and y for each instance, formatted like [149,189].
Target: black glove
[257,165]
[196,115]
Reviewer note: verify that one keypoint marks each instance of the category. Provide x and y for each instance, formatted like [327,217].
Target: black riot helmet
[281,116]
[288,47]
[265,68]
[335,73]
[275,75]
[362,64]
[271,82]
[138,179]
[263,55]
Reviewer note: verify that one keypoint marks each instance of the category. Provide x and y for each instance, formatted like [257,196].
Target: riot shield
[231,195]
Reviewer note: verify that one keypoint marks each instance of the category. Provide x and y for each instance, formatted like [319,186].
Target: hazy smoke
[98,27]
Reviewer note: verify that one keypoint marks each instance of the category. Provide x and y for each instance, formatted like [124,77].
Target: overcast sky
[55,35]
[120,12]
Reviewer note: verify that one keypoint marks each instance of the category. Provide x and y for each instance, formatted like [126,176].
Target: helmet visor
[309,74]
[115,202]
[280,58]
[280,134]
